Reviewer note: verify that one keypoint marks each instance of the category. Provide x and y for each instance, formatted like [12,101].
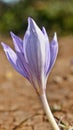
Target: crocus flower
[34,56]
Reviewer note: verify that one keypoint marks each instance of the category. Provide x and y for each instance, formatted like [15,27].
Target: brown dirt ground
[20,107]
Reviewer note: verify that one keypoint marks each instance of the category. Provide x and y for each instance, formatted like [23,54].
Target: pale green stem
[48,112]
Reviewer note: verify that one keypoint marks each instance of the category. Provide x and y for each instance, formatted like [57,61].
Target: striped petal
[47,50]
[34,49]
[18,43]
[14,60]
[53,52]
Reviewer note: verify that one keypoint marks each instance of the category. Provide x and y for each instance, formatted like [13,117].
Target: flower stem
[48,112]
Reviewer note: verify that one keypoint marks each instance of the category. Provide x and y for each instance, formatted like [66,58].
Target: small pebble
[57,79]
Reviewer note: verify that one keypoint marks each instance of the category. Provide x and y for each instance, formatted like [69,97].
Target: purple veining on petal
[18,43]
[53,52]
[14,60]
[33,49]
[47,50]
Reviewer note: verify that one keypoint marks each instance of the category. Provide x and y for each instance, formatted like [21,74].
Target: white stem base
[49,113]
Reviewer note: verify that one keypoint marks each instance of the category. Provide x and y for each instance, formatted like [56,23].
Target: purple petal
[34,49]
[14,60]
[18,43]
[47,50]
[53,52]
[33,44]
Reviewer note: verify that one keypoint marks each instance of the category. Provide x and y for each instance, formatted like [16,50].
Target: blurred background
[55,15]
[16,93]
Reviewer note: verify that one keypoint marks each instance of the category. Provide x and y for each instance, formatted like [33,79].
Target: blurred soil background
[20,107]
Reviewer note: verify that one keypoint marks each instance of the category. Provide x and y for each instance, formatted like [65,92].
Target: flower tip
[30,19]
[43,29]
[55,36]
[4,46]
[31,22]
[12,34]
